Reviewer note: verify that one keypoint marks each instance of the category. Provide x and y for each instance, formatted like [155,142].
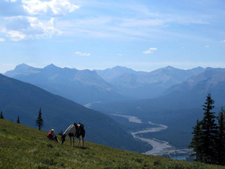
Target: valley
[159,147]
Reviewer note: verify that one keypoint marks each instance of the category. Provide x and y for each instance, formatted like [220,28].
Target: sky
[143,35]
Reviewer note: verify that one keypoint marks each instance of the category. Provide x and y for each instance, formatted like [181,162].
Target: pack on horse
[74,130]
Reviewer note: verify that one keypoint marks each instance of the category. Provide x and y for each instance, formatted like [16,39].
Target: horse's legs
[82,141]
[73,140]
[78,141]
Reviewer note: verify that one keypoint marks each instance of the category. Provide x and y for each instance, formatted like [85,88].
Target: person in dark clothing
[51,135]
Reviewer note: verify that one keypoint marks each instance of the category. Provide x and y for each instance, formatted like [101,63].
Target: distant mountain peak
[164,70]
[169,68]
[22,69]
[22,66]
[123,69]
[51,65]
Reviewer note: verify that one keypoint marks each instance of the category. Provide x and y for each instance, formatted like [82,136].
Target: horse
[74,130]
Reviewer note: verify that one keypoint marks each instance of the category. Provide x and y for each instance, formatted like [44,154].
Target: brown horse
[74,130]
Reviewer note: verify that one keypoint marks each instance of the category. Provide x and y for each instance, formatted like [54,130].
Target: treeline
[39,120]
[208,140]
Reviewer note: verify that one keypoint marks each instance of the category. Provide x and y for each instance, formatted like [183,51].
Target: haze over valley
[120,100]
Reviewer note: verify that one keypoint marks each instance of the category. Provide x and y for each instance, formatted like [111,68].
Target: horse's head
[63,138]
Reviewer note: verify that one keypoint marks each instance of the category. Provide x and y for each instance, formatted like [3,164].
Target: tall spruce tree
[196,142]
[1,116]
[39,120]
[204,141]
[221,138]
[209,131]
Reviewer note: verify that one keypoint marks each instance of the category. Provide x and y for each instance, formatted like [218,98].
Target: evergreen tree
[221,138]
[18,120]
[39,120]
[1,116]
[196,142]
[209,130]
[204,141]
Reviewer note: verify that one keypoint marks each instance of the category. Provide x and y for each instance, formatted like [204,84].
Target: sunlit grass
[25,147]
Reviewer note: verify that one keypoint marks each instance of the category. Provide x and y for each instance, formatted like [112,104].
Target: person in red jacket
[51,135]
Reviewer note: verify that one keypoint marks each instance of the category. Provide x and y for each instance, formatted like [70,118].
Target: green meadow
[25,147]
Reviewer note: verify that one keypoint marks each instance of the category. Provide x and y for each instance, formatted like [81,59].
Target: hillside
[24,100]
[26,147]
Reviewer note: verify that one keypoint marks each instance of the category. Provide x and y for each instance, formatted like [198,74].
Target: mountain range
[81,86]
[169,96]
[142,85]
[113,84]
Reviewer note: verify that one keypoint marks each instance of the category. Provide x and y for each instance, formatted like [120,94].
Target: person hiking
[51,135]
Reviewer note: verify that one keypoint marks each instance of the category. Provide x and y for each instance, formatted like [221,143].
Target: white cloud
[15,35]
[150,50]
[82,54]
[222,41]
[22,27]
[207,46]
[2,39]
[43,28]
[55,7]
[22,24]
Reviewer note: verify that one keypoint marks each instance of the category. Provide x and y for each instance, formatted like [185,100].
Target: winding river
[159,147]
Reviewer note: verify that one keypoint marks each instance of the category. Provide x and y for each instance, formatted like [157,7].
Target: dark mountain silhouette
[81,86]
[24,100]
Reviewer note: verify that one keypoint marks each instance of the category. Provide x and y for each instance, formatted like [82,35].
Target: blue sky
[91,34]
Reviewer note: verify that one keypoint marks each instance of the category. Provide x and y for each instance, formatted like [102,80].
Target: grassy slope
[26,147]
